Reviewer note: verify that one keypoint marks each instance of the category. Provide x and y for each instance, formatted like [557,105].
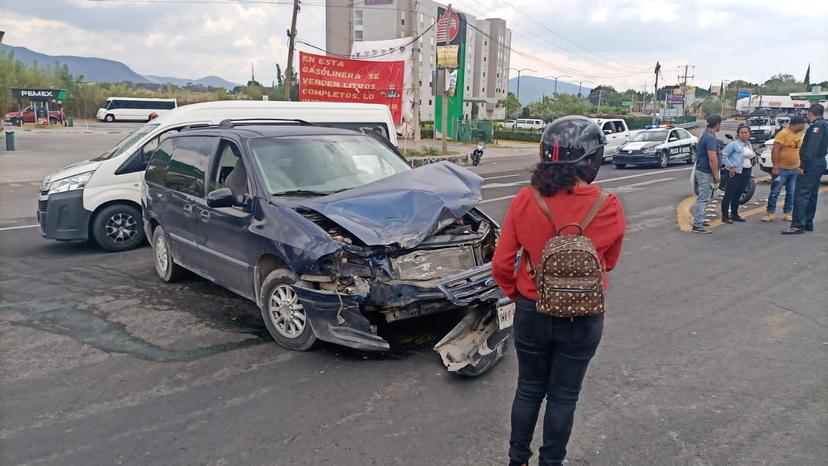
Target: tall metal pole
[655,91]
[445,86]
[291,45]
[415,82]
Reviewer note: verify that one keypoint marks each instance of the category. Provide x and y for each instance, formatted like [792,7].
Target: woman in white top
[738,162]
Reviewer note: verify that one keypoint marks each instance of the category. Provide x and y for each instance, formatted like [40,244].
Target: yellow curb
[684,214]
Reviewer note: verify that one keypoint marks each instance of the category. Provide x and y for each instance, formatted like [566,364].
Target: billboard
[334,79]
[451,32]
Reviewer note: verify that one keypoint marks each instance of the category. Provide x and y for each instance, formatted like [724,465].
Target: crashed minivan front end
[409,246]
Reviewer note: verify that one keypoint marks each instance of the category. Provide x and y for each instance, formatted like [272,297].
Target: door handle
[205,214]
[188,208]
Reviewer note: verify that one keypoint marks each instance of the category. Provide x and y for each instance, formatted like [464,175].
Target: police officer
[811,167]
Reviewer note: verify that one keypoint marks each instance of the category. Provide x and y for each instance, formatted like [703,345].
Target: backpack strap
[544,207]
[593,211]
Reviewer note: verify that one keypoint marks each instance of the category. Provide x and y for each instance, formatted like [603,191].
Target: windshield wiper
[301,192]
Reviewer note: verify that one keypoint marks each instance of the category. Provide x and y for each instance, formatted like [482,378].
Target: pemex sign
[39,94]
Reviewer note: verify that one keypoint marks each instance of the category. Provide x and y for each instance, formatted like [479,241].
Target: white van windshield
[127,142]
[322,164]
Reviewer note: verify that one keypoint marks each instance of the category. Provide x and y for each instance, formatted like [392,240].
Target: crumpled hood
[405,208]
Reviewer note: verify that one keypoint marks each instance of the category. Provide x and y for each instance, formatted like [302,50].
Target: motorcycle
[477,154]
[750,189]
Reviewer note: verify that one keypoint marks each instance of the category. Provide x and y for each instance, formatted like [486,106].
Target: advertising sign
[743,94]
[39,94]
[451,32]
[676,99]
[448,56]
[333,79]
[379,2]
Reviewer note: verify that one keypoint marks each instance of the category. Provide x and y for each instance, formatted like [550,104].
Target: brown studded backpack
[569,277]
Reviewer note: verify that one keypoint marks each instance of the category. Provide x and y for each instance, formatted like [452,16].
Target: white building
[487,47]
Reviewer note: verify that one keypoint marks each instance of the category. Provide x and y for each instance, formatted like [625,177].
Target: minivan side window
[189,164]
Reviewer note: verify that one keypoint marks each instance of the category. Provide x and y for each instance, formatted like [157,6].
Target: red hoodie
[525,226]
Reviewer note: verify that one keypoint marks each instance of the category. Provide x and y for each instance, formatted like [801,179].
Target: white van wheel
[109,118]
[118,227]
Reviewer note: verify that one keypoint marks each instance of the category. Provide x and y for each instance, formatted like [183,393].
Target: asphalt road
[714,353]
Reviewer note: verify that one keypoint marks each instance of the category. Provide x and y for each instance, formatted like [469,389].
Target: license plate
[505,315]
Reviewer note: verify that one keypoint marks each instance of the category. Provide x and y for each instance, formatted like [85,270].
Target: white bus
[133,108]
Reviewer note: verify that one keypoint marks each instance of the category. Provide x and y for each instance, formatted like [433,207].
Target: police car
[659,146]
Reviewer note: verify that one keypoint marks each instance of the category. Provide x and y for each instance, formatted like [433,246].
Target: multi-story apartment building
[487,48]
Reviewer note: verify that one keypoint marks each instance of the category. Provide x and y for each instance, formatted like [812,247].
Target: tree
[711,105]
[563,105]
[603,94]
[511,104]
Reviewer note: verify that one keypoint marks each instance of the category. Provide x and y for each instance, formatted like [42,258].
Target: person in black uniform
[811,167]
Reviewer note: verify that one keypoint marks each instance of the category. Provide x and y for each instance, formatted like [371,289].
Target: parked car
[659,147]
[782,122]
[100,199]
[530,123]
[331,233]
[762,128]
[617,133]
[32,114]
[508,124]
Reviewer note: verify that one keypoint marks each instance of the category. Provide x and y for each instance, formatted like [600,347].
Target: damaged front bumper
[470,348]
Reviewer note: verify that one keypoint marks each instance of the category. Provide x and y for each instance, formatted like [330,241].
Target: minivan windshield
[758,122]
[650,136]
[127,142]
[320,165]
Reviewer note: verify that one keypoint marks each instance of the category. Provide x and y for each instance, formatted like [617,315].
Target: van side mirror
[222,197]
[607,131]
[673,139]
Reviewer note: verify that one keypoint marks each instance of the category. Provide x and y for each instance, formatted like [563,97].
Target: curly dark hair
[549,178]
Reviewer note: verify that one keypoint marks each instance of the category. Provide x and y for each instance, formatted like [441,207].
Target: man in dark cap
[707,170]
[812,166]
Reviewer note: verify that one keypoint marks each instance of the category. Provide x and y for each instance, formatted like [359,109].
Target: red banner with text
[333,79]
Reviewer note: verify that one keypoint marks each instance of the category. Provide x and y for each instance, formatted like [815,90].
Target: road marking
[645,183]
[503,185]
[486,201]
[19,227]
[502,176]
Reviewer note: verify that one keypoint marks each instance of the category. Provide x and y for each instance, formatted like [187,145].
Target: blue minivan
[330,232]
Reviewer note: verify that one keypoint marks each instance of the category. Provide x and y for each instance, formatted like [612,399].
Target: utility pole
[655,90]
[723,91]
[684,89]
[447,15]
[415,82]
[291,45]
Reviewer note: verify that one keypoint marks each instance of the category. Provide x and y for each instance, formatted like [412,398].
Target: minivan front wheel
[165,266]
[118,228]
[109,118]
[284,314]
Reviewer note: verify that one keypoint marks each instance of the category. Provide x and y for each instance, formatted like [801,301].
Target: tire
[691,159]
[620,166]
[52,121]
[165,266]
[283,313]
[118,228]
[109,118]
[663,160]
[746,196]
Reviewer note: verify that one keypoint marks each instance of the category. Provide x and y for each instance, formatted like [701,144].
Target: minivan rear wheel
[118,228]
[165,265]
[283,313]
[109,118]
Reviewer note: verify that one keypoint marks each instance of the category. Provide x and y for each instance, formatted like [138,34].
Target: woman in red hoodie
[553,353]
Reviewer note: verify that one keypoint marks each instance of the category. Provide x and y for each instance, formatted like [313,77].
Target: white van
[101,198]
[528,123]
[133,108]
[617,133]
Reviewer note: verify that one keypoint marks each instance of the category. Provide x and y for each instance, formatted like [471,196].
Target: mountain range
[95,69]
[532,89]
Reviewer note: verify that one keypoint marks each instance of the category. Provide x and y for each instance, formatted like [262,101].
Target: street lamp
[555,92]
[581,83]
[518,86]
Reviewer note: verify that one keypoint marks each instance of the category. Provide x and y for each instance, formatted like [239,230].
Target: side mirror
[729,137]
[672,139]
[607,131]
[222,197]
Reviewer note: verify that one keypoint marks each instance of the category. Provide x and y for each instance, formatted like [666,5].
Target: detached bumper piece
[475,344]
[62,216]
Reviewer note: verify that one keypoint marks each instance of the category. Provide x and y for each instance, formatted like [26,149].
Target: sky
[615,42]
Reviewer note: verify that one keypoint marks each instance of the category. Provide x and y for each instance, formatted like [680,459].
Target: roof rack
[229,123]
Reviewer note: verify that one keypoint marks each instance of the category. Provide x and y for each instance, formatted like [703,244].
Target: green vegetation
[84,97]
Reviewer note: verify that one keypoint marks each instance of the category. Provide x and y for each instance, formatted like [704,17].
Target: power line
[382,54]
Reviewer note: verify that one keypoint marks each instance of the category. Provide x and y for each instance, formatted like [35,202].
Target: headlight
[71,183]
[649,150]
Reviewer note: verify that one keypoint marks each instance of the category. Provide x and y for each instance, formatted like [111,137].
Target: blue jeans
[805,199]
[786,178]
[553,355]
[706,184]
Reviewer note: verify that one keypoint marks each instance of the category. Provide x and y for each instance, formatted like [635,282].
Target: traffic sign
[743,94]
[626,103]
